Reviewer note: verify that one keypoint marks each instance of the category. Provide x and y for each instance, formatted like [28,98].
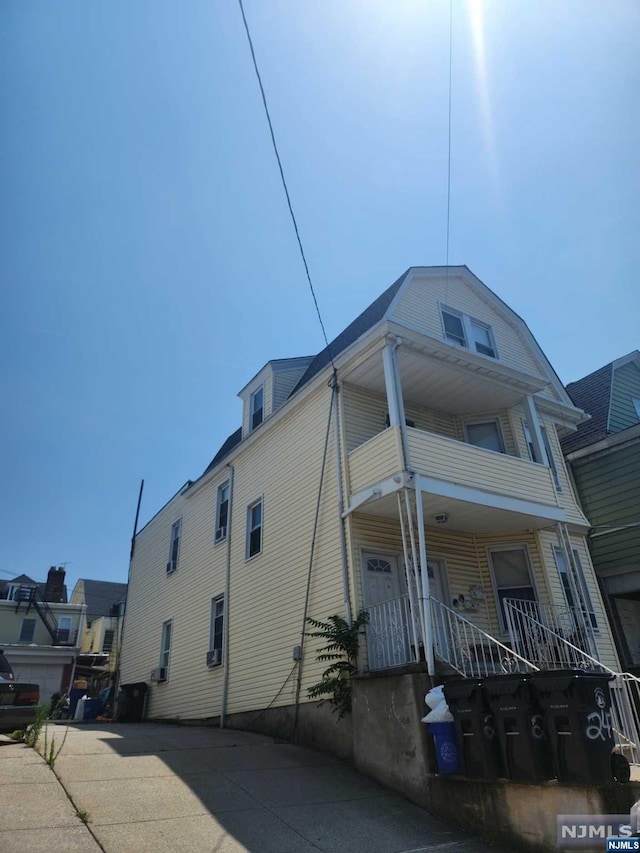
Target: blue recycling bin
[447,752]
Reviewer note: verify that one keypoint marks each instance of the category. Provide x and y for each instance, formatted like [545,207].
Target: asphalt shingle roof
[591,393]
[100,596]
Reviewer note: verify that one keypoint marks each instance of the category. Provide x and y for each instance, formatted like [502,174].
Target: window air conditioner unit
[171,567]
[214,658]
[159,674]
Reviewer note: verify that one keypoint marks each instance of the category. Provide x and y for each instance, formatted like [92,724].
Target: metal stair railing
[551,651]
[468,649]
[390,634]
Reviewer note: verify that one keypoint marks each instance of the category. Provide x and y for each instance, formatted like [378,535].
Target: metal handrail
[470,650]
[391,633]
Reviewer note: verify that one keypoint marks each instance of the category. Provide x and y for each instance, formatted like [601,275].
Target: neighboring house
[105,601]
[453,504]
[604,455]
[39,631]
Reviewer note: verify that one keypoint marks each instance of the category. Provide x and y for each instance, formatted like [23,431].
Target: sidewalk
[35,813]
[151,788]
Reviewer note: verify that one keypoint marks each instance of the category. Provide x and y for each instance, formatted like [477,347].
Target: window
[561,563]
[217,626]
[254,529]
[636,406]
[174,548]
[547,449]
[63,634]
[408,421]
[222,512]
[257,407]
[453,328]
[107,641]
[27,631]
[165,648]
[512,578]
[485,434]
[466,332]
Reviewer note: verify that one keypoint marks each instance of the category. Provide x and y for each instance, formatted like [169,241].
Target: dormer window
[257,407]
[464,331]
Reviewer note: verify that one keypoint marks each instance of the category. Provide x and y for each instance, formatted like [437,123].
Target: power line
[449,148]
[284,182]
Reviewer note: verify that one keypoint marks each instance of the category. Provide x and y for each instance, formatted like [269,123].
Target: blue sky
[149,265]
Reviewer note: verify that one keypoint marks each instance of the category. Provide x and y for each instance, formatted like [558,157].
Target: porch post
[424,578]
[394,395]
[534,429]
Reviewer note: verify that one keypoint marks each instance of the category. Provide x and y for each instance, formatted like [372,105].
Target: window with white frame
[548,451]
[512,578]
[567,587]
[216,637]
[27,631]
[465,331]
[257,407]
[222,512]
[486,434]
[174,546]
[165,646]
[254,528]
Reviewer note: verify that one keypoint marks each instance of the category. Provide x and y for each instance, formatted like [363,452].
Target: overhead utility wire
[284,181]
[449,150]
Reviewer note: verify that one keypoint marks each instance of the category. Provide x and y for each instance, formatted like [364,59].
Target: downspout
[340,492]
[227,584]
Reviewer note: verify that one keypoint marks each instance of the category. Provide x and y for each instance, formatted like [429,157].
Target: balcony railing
[551,636]
[392,636]
[452,462]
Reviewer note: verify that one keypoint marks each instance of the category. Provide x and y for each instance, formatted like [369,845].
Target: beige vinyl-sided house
[445,510]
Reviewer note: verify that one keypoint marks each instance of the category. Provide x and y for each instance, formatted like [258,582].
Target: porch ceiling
[462,516]
[455,385]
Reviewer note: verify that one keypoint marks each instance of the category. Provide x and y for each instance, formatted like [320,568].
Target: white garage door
[47,676]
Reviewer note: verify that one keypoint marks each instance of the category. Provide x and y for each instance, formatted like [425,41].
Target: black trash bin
[577,707]
[524,745]
[475,729]
[131,702]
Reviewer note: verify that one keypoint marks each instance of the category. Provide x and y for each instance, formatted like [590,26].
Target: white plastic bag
[439,714]
[434,696]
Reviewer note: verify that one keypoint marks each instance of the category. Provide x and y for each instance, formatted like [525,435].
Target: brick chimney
[54,590]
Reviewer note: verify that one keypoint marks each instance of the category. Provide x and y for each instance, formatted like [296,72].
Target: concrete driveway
[150,788]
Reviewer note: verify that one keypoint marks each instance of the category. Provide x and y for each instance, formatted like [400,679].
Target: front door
[388,627]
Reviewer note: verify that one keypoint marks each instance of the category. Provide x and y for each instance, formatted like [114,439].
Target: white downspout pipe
[227,584]
[340,493]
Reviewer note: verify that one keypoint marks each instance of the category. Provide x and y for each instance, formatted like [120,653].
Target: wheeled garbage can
[131,702]
[475,729]
[447,753]
[524,745]
[577,707]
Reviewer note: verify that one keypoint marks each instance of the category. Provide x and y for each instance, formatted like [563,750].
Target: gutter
[227,584]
